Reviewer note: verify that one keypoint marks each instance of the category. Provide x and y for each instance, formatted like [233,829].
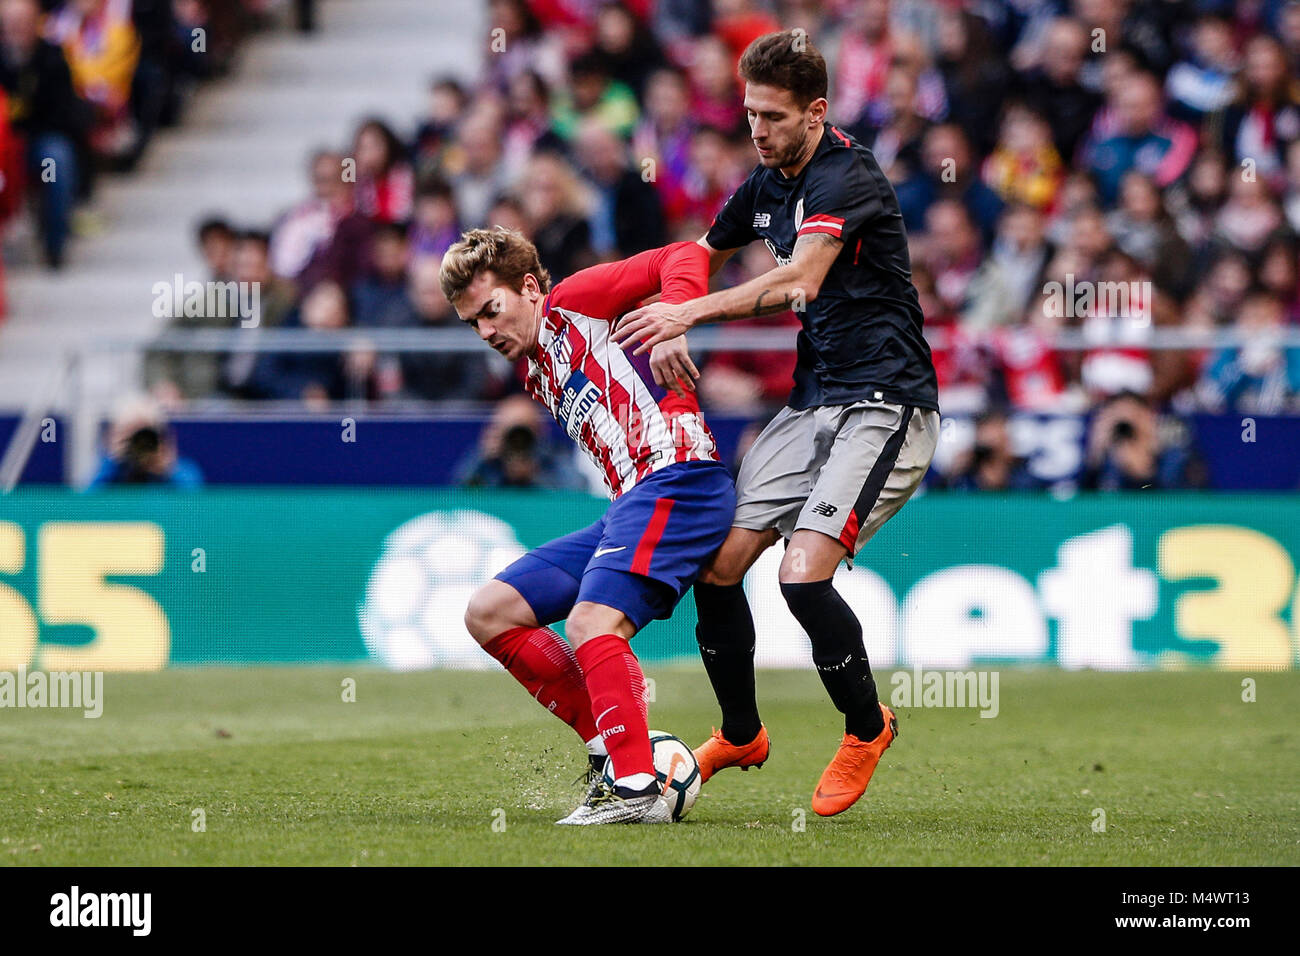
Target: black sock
[725,633]
[839,654]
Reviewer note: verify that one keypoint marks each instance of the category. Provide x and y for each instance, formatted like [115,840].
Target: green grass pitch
[420,768]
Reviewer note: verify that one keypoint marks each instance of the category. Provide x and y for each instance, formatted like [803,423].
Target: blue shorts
[641,556]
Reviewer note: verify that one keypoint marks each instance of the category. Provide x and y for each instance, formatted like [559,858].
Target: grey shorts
[843,470]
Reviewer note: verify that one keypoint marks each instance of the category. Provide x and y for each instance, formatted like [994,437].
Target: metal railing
[70,360]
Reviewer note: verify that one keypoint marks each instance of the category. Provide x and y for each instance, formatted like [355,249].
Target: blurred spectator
[433,376]
[664,134]
[715,90]
[895,136]
[528,124]
[379,297]
[1279,273]
[323,236]
[514,452]
[975,76]
[316,378]
[102,49]
[141,450]
[1013,274]
[436,224]
[627,217]
[713,177]
[858,56]
[447,103]
[385,183]
[176,377]
[557,215]
[1024,165]
[1202,82]
[522,45]
[990,464]
[1261,377]
[508,213]
[217,246]
[474,168]
[1249,218]
[1126,452]
[1054,87]
[1142,228]
[951,252]
[1143,139]
[1264,119]
[631,50]
[46,112]
[333,232]
[592,96]
[949,172]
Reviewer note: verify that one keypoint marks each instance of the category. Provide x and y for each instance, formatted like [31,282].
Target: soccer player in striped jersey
[672,500]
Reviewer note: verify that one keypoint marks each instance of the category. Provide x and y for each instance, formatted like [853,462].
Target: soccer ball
[678,773]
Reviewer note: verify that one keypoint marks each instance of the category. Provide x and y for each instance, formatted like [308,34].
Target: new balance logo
[825,509]
[762,220]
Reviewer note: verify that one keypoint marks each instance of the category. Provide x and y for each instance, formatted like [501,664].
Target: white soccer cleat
[605,804]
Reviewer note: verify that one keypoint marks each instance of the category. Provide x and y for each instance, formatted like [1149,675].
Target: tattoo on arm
[776,305]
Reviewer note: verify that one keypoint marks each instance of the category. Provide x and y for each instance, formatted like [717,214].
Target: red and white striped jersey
[605,398]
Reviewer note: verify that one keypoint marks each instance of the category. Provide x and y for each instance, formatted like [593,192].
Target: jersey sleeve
[733,226]
[678,271]
[840,198]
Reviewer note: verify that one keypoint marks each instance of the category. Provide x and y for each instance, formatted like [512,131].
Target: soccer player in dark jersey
[861,424]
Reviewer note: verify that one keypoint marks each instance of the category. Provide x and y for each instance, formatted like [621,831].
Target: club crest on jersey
[762,220]
[561,348]
[580,396]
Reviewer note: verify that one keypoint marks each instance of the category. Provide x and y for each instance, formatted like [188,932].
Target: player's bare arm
[777,290]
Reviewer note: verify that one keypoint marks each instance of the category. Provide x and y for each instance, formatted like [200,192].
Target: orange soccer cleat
[845,779]
[717,753]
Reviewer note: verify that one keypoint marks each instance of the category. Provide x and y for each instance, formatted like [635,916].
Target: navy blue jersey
[861,336]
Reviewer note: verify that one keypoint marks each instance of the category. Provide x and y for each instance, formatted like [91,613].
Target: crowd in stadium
[84,85]
[1154,143]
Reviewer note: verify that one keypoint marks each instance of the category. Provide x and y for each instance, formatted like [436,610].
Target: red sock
[544,663]
[618,701]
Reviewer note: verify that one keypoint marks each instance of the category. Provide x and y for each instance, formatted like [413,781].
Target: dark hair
[389,230]
[789,61]
[592,64]
[432,184]
[255,235]
[393,145]
[215,224]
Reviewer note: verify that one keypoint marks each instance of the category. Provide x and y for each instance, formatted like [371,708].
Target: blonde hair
[504,252]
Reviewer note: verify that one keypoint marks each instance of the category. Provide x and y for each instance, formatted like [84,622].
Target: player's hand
[650,325]
[672,366]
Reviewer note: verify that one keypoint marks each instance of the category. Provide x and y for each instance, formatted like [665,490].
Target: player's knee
[723,572]
[483,616]
[581,625]
[588,620]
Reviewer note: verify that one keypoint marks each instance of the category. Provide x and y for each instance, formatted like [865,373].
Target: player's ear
[817,111]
